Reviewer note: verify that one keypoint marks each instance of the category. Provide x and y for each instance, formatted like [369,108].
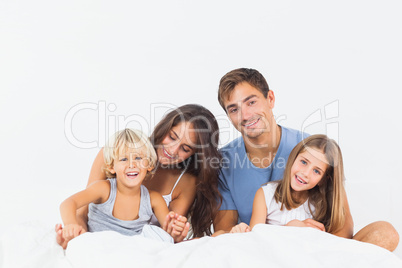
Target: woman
[186,143]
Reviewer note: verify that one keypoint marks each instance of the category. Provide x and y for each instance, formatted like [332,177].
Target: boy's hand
[177,226]
[240,228]
[71,231]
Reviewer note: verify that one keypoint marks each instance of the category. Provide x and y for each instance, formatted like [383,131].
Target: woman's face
[178,145]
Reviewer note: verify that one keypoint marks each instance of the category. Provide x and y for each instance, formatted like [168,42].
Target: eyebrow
[245,100]
[177,136]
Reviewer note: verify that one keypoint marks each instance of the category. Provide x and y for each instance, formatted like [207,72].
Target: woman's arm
[173,223]
[184,195]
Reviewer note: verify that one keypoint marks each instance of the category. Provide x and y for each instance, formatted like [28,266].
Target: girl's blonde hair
[328,195]
[128,139]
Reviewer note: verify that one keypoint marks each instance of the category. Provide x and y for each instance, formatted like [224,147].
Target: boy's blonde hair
[128,139]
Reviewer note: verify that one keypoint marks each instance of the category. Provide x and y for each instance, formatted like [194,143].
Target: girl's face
[178,145]
[130,167]
[308,170]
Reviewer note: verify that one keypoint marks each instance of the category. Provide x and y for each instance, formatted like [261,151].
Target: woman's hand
[307,223]
[240,228]
[177,226]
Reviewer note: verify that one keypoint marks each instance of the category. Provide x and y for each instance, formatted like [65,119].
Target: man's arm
[224,221]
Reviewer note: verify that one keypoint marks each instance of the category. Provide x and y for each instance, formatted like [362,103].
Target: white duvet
[33,245]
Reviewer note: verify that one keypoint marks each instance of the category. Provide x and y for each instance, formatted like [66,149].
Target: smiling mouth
[167,154]
[132,175]
[252,123]
[300,180]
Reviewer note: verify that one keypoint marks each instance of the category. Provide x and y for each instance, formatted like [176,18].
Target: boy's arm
[96,193]
[97,174]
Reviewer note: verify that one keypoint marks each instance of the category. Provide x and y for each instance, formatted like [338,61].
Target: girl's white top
[275,215]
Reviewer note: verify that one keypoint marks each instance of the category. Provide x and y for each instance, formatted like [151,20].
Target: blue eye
[316,171]
[138,158]
[303,162]
[123,159]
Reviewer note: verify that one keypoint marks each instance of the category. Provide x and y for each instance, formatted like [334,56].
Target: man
[260,156]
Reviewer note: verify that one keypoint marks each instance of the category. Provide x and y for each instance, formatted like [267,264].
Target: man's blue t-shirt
[239,179]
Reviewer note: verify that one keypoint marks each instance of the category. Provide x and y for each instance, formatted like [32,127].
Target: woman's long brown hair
[204,163]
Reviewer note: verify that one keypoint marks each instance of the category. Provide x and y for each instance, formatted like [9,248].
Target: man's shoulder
[292,135]
[233,146]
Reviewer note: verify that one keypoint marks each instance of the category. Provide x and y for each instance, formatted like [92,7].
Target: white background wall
[134,59]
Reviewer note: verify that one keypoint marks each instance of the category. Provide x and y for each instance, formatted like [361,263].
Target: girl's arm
[259,209]
[347,230]
[96,193]
[259,214]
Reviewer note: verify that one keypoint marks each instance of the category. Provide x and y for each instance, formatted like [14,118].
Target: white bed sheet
[33,245]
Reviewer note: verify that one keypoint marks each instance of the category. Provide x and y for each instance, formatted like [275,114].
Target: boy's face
[249,111]
[130,167]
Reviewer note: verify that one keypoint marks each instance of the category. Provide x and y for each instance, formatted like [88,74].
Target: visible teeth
[132,174]
[171,156]
[252,123]
[300,180]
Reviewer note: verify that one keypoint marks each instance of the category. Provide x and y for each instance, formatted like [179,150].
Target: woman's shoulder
[187,181]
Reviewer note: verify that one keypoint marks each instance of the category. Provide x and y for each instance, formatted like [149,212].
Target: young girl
[311,193]
[122,203]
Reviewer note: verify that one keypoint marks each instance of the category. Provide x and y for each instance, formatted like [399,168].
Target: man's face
[249,111]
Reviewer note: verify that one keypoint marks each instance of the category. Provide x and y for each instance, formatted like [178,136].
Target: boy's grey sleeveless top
[100,216]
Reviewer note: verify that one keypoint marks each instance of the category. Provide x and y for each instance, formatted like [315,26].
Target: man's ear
[271,99]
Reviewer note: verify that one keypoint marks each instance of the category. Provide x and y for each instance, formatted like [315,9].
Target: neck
[300,197]
[262,149]
[130,191]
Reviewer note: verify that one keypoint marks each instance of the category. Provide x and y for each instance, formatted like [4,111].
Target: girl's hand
[240,228]
[71,231]
[307,223]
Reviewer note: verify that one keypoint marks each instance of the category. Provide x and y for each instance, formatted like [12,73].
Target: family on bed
[177,179]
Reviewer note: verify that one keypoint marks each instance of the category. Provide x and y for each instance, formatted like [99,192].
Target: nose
[245,113]
[133,163]
[174,149]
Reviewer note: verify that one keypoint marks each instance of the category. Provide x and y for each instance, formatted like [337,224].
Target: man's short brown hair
[230,80]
